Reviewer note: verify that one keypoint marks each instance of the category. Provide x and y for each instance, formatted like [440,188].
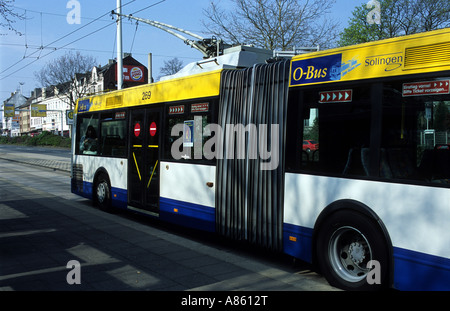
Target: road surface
[45,231]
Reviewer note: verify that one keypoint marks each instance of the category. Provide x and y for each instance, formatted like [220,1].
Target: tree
[273,24]
[171,67]
[64,72]
[8,15]
[398,17]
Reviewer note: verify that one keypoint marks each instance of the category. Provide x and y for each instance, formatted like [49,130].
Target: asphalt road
[52,240]
[48,152]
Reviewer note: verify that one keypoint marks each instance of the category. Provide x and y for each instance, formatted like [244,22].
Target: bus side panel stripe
[85,191]
[119,197]
[297,241]
[419,271]
[187,214]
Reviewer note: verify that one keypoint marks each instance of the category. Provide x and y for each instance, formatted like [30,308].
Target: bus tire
[349,247]
[102,193]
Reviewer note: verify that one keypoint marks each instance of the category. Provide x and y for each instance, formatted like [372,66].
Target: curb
[51,164]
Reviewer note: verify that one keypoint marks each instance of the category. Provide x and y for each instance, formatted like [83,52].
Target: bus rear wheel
[102,193]
[349,248]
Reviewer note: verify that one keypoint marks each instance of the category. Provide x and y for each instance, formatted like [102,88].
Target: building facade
[11,124]
[61,98]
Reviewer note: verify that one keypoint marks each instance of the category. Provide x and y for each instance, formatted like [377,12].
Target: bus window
[113,129]
[192,120]
[87,134]
[336,133]
[415,143]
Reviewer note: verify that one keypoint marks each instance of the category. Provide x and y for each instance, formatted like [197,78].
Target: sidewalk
[48,161]
[43,228]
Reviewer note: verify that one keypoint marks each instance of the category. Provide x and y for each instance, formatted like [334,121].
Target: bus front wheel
[352,253]
[102,193]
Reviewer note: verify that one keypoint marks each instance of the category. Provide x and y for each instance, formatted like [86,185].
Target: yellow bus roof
[196,86]
[418,53]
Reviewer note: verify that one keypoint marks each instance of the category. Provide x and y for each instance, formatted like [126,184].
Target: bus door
[143,161]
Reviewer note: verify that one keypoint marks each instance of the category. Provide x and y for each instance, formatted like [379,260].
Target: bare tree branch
[8,16]
[70,73]
[171,67]
[273,24]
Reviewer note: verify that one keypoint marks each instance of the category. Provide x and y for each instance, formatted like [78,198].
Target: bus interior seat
[435,165]
[401,163]
[394,163]
[355,165]
[111,142]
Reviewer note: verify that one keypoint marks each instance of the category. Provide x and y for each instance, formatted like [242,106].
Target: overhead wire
[57,40]
[140,10]
[61,47]
[92,50]
[43,47]
[26,40]
[47,46]
[134,37]
[148,7]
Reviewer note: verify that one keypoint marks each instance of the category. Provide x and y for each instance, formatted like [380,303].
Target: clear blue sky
[46,26]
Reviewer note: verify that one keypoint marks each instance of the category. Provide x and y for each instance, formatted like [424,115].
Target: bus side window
[336,134]
[192,121]
[415,134]
[87,135]
[113,134]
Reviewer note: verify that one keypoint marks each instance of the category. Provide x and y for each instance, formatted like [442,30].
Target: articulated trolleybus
[222,151]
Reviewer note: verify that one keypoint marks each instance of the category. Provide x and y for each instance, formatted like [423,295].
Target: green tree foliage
[398,17]
[43,139]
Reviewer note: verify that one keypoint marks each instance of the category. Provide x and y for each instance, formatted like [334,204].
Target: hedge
[43,139]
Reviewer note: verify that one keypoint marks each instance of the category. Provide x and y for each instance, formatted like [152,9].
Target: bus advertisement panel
[392,57]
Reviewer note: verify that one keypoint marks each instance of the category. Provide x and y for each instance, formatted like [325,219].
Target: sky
[47,33]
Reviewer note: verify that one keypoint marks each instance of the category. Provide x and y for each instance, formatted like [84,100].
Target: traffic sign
[69,117]
[137,129]
[152,129]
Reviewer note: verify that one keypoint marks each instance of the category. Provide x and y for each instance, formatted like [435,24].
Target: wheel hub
[357,253]
[348,252]
[101,192]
